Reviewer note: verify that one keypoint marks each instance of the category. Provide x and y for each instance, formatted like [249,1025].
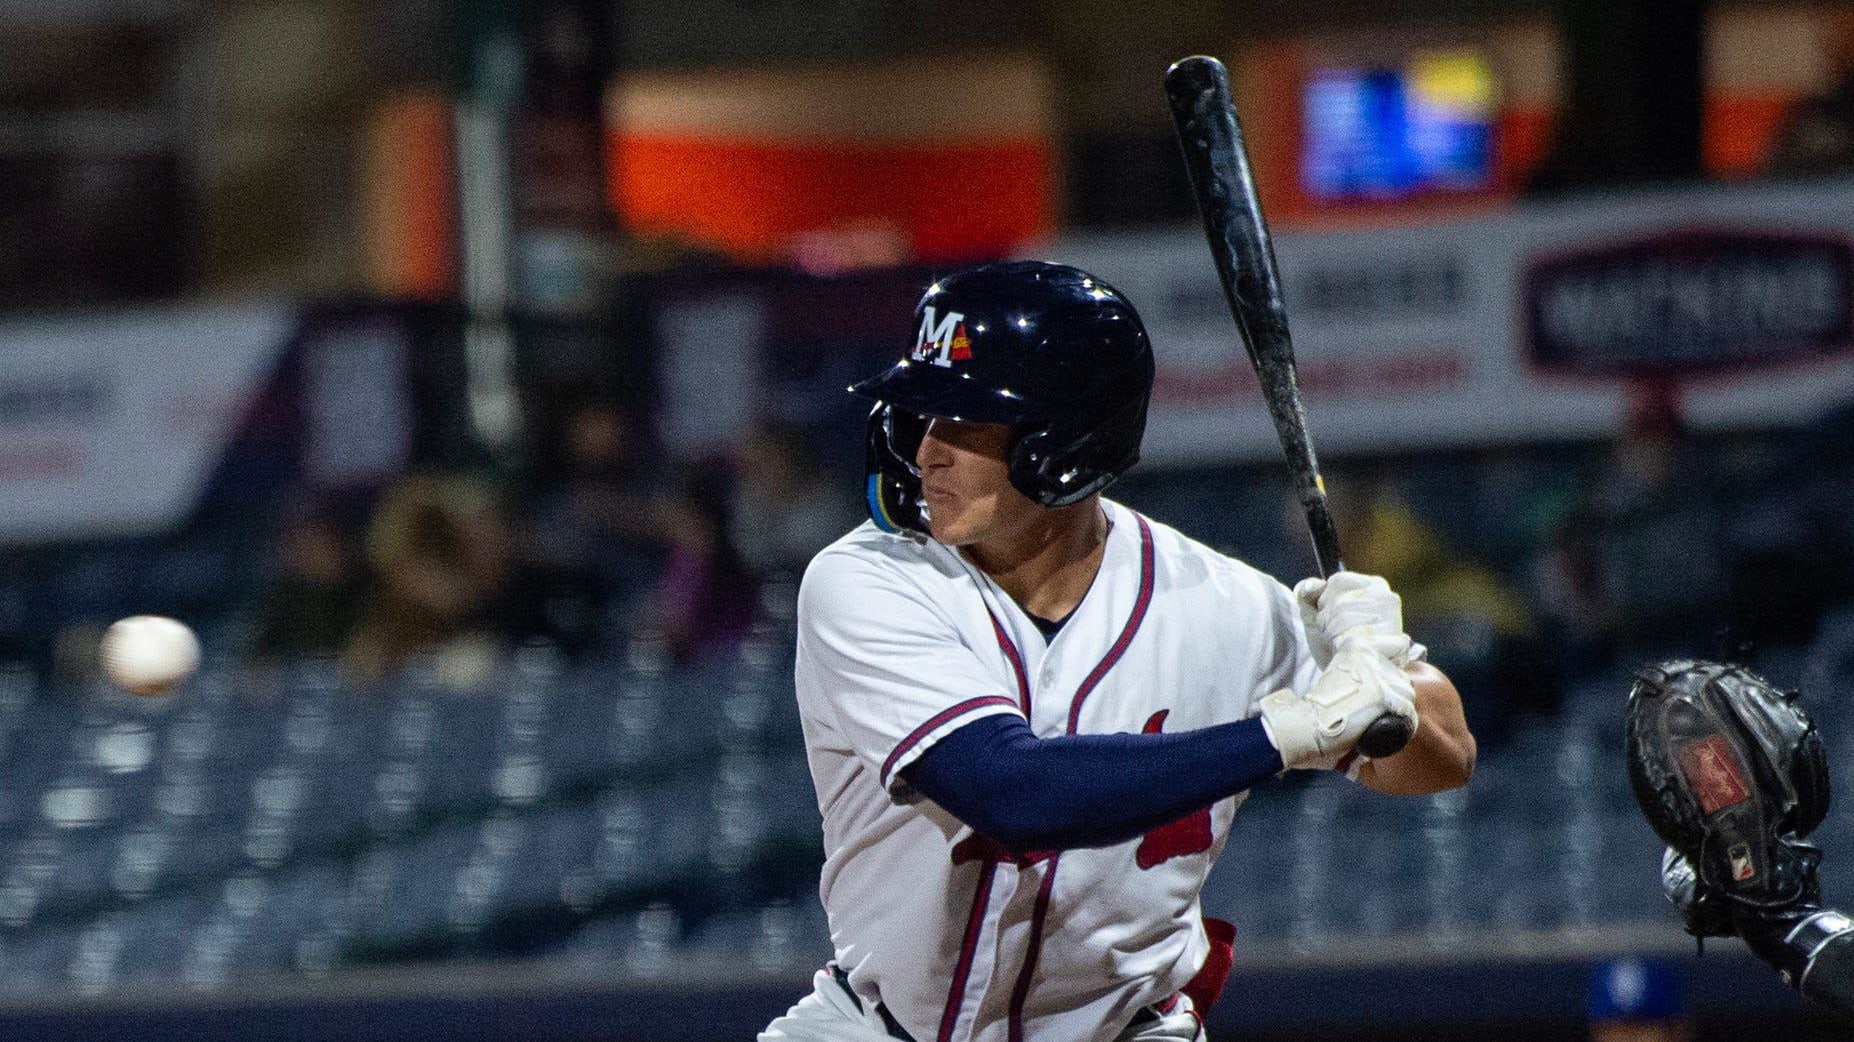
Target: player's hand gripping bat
[1205,117]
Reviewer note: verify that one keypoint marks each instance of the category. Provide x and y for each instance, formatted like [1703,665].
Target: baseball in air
[149,654]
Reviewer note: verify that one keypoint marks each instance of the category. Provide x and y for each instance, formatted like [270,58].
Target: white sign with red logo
[1458,333]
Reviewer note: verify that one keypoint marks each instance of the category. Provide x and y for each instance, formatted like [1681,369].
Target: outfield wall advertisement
[112,425]
[1538,323]
[120,424]
[1546,322]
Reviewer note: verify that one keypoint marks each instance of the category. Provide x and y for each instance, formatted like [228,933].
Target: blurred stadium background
[469,373]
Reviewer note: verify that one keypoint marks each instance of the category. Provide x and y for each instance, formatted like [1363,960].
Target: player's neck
[1047,567]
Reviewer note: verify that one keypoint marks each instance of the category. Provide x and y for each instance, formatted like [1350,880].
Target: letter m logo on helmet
[942,340]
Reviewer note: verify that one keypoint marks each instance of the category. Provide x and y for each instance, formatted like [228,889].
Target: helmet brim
[930,390]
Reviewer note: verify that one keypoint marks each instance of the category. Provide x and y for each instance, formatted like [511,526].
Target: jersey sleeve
[885,665]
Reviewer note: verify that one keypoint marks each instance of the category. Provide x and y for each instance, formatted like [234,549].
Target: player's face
[966,483]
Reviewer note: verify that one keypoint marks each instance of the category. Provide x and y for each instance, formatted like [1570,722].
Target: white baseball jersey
[901,642]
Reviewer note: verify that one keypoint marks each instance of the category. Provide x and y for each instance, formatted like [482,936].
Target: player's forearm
[1029,793]
[1440,755]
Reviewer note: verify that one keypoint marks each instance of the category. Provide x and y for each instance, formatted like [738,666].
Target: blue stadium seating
[626,813]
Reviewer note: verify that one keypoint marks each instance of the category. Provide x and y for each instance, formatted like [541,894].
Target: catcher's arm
[1440,755]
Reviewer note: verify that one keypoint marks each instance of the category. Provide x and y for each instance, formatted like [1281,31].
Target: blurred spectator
[708,594]
[1787,564]
[785,509]
[310,607]
[1474,624]
[602,529]
[438,547]
[1658,553]
[1637,567]
[1818,137]
[1568,588]
[1521,495]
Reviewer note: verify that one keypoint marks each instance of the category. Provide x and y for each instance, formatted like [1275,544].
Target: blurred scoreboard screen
[1378,132]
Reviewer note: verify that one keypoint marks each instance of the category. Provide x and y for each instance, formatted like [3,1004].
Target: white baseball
[149,654]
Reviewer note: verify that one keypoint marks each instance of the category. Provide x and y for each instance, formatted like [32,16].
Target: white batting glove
[1349,605]
[1315,730]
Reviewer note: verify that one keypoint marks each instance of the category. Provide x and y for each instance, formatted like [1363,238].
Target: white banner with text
[1538,323]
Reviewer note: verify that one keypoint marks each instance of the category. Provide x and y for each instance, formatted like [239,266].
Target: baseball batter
[1031,713]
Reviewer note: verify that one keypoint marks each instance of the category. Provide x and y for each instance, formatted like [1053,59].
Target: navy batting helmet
[1051,350]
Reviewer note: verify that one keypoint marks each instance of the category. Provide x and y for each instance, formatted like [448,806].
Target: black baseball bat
[1205,117]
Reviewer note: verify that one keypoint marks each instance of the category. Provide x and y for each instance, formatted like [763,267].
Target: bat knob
[1385,736]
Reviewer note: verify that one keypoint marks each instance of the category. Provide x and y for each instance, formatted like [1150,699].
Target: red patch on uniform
[1714,774]
[1182,838]
[962,347]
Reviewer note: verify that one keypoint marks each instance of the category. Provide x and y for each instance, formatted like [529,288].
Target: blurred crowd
[1527,570]
[455,568]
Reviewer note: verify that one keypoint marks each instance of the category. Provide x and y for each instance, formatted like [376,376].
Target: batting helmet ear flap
[893,489]
[1057,471]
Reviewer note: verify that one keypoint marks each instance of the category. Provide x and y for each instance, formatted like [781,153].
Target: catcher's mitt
[1730,772]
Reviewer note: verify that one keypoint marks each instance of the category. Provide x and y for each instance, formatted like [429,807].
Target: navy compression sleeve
[1086,790]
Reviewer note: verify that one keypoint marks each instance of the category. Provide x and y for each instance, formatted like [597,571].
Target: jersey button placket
[1045,684]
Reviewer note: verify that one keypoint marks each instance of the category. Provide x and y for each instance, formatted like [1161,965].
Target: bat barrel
[1198,89]
[1204,115]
